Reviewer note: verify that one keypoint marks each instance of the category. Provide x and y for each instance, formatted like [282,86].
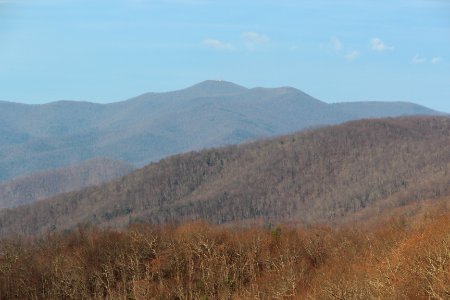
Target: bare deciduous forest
[322,175]
[401,256]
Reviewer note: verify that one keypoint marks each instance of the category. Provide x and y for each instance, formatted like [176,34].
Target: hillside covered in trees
[42,185]
[155,125]
[405,255]
[331,175]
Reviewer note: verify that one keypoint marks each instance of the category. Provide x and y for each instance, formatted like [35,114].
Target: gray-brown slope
[319,175]
[42,185]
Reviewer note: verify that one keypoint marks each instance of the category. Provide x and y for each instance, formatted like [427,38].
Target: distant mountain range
[328,174]
[37,186]
[155,125]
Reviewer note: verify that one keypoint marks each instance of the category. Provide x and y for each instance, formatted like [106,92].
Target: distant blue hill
[154,125]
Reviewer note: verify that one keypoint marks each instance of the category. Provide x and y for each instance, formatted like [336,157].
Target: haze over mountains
[154,125]
[321,175]
[42,185]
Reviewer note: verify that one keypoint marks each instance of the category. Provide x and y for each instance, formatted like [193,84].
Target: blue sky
[105,51]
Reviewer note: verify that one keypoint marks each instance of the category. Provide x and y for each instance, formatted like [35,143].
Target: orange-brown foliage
[401,257]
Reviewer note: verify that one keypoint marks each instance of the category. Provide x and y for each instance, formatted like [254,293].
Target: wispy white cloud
[253,39]
[435,60]
[218,45]
[378,45]
[336,44]
[417,59]
[352,55]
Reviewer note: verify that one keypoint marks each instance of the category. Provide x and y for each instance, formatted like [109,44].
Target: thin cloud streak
[352,55]
[417,59]
[436,60]
[218,45]
[336,44]
[253,39]
[378,45]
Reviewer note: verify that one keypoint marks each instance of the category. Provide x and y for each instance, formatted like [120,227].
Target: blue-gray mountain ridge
[27,189]
[155,125]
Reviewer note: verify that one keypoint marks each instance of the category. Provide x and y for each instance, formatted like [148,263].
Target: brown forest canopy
[402,257]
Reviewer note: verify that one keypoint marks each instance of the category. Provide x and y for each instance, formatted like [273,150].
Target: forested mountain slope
[42,185]
[320,175]
[378,109]
[155,125]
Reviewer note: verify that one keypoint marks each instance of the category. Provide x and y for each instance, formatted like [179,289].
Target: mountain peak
[217,87]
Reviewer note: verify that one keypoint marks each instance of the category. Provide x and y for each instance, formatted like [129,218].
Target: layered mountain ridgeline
[42,185]
[321,175]
[155,125]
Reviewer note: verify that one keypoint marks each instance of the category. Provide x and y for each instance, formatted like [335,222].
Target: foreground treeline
[398,258]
